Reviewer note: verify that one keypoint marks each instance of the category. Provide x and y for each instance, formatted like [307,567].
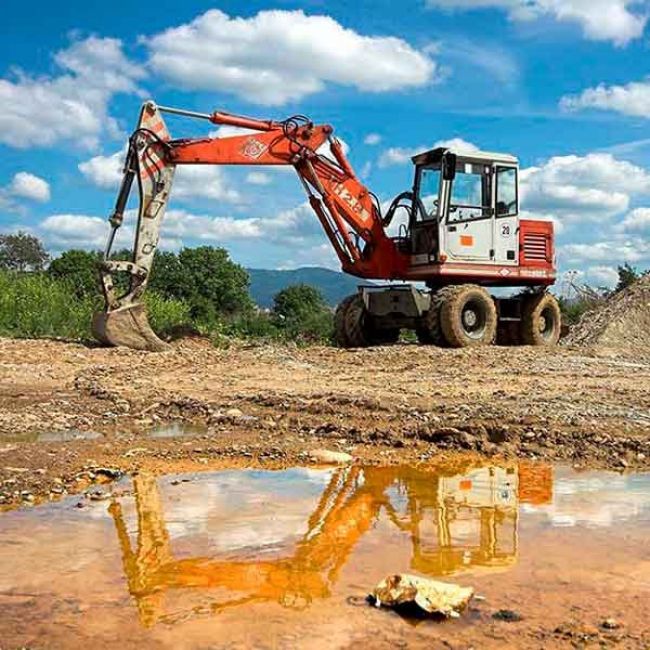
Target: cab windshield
[429,189]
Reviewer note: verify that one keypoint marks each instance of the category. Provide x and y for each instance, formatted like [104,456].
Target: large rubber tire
[340,333]
[430,333]
[468,317]
[541,320]
[357,327]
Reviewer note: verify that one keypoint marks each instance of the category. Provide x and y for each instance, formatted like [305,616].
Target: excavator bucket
[128,327]
[124,319]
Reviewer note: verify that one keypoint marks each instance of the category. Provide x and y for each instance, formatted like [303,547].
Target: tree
[301,311]
[627,275]
[22,252]
[297,302]
[80,269]
[211,283]
[166,274]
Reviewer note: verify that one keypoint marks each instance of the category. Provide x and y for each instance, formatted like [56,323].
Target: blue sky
[563,84]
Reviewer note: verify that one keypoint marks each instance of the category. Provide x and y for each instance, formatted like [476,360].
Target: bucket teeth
[128,327]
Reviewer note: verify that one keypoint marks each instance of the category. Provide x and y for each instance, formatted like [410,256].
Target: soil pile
[622,321]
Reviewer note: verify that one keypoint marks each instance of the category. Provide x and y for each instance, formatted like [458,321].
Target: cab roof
[434,156]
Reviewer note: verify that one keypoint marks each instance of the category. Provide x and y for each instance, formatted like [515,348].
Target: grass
[33,305]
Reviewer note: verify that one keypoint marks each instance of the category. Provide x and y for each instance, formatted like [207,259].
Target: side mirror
[449,166]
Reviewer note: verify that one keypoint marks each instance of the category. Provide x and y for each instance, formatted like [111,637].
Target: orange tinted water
[283,559]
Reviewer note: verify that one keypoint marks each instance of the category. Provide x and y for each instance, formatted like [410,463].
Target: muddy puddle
[283,559]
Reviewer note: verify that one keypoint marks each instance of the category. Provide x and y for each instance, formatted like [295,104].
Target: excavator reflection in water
[455,521]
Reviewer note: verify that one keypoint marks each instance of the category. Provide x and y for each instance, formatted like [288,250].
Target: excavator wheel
[541,320]
[468,316]
[340,331]
[430,332]
[354,329]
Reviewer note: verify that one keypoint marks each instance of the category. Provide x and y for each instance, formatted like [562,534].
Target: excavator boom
[347,211]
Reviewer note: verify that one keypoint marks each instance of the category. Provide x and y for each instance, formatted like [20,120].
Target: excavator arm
[348,212]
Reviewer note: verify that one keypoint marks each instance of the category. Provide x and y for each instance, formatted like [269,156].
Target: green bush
[167,314]
[35,305]
[80,269]
[301,314]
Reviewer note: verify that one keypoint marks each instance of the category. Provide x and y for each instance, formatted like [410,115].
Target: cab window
[470,193]
[506,191]
[429,191]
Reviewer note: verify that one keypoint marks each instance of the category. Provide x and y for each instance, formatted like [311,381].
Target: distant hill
[334,286]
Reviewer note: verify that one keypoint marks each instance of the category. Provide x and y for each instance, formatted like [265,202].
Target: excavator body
[459,231]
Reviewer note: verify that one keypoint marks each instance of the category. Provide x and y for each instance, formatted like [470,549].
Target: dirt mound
[622,321]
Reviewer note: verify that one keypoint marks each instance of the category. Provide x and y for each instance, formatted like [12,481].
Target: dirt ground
[271,405]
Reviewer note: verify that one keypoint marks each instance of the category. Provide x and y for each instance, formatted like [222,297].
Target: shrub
[35,305]
[167,314]
[301,313]
[80,269]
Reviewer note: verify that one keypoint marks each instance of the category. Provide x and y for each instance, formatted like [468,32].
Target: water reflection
[453,520]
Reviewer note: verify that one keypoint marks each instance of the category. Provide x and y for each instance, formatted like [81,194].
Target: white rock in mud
[330,457]
[431,596]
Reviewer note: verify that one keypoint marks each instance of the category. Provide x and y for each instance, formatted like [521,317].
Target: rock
[610,624]
[430,596]
[330,457]
[234,413]
[507,615]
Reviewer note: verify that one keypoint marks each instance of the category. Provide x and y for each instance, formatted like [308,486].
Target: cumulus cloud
[372,139]
[190,182]
[602,275]
[637,221]
[613,250]
[276,57]
[630,99]
[258,178]
[576,189]
[28,186]
[402,155]
[41,111]
[297,226]
[618,21]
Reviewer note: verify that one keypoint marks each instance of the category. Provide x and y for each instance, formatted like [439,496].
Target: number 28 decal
[506,230]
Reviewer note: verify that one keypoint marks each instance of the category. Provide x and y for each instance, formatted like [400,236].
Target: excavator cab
[466,208]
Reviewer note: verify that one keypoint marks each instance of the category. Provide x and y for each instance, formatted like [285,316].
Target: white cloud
[258,178]
[614,250]
[41,111]
[630,99]
[27,186]
[402,155]
[80,231]
[372,139]
[458,145]
[279,56]
[577,189]
[297,226]
[203,181]
[190,181]
[104,172]
[637,221]
[619,21]
[398,155]
[602,275]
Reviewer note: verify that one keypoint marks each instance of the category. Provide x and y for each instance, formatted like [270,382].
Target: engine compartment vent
[535,246]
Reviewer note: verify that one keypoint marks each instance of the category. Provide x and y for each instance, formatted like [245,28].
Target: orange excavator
[463,234]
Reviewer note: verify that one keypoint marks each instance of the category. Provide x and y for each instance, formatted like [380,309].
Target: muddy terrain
[72,415]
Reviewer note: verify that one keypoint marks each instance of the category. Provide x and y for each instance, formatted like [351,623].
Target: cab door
[468,231]
[506,222]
